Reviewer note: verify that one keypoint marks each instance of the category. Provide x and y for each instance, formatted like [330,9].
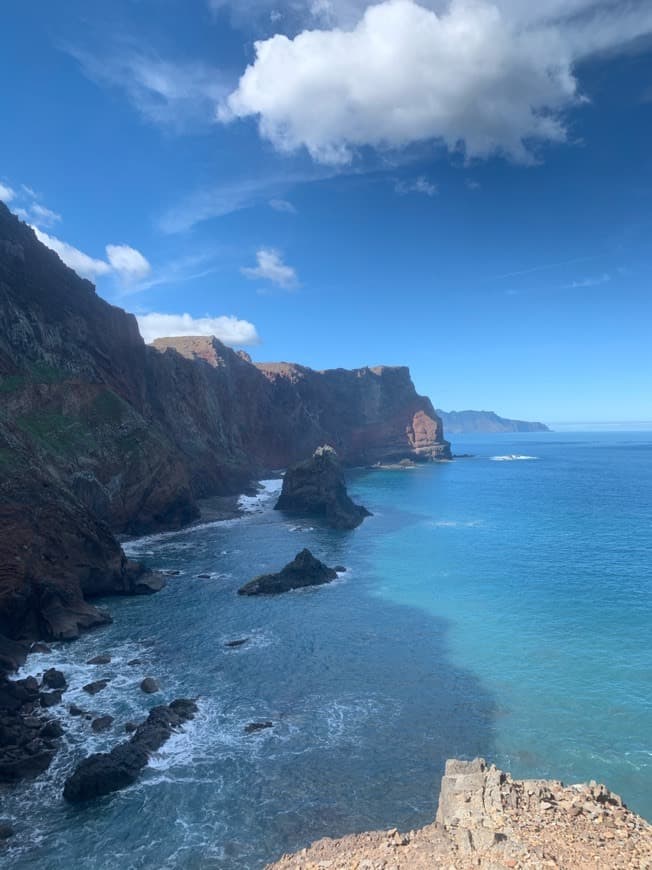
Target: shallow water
[493,608]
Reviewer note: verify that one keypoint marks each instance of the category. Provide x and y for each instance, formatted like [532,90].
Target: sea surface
[499,605]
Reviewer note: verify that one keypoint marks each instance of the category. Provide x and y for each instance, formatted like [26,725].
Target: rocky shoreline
[486,819]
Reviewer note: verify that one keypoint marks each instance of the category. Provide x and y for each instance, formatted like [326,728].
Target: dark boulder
[54,679]
[150,686]
[51,730]
[106,772]
[74,710]
[304,570]
[6,831]
[50,699]
[234,644]
[26,740]
[317,488]
[102,723]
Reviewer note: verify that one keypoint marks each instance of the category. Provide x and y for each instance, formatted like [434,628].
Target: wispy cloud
[542,268]
[43,216]
[417,185]
[282,205]
[177,94]
[588,282]
[220,200]
[228,329]
[472,184]
[272,268]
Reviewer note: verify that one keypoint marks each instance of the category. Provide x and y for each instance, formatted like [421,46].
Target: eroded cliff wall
[100,433]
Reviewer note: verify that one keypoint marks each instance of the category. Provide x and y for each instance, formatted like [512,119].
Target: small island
[317,488]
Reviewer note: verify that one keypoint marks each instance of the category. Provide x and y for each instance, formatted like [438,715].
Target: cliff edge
[487,819]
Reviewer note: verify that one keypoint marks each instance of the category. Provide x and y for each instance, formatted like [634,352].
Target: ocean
[499,605]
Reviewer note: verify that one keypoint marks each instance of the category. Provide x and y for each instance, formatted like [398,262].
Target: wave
[267,489]
[512,457]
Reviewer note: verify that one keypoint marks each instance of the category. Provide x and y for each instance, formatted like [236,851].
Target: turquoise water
[500,608]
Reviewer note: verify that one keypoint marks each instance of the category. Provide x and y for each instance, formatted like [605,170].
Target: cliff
[487,819]
[102,434]
[461,422]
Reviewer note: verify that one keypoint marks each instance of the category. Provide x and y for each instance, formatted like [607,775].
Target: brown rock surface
[487,819]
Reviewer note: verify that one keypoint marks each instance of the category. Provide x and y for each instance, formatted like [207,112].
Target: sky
[463,187]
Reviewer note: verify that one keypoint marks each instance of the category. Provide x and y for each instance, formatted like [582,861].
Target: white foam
[267,489]
[457,524]
[512,457]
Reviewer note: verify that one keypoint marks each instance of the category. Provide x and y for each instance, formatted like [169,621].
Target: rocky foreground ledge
[487,819]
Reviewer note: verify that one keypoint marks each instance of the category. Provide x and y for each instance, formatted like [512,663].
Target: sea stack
[317,488]
[304,570]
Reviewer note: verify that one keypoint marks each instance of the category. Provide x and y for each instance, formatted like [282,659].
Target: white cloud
[272,268]
[480,77]
[84,265]
[125,262]
[472,184]
[6,193]
[282,205]
[230,330]
[128,262]
[418,185]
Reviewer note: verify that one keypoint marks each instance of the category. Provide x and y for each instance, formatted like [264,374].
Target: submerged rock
[316,487]
[102,723]
[304,570]
[104,659]
[254,727]
[50,699]
[106,772]
[95,687]
[234,644]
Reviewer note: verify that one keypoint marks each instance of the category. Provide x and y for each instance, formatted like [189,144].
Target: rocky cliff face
[100,433]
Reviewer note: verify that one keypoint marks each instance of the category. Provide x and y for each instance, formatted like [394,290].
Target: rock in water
[316,487]
[304,570]
[95,687]
[149,686]
[106,772]
[54,679]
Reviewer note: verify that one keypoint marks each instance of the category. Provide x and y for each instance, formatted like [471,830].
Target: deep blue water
[500,608]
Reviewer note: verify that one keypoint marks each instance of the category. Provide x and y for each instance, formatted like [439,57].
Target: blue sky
[464,187]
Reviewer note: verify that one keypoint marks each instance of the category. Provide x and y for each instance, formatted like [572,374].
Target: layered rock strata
[487,819]
[316,488]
